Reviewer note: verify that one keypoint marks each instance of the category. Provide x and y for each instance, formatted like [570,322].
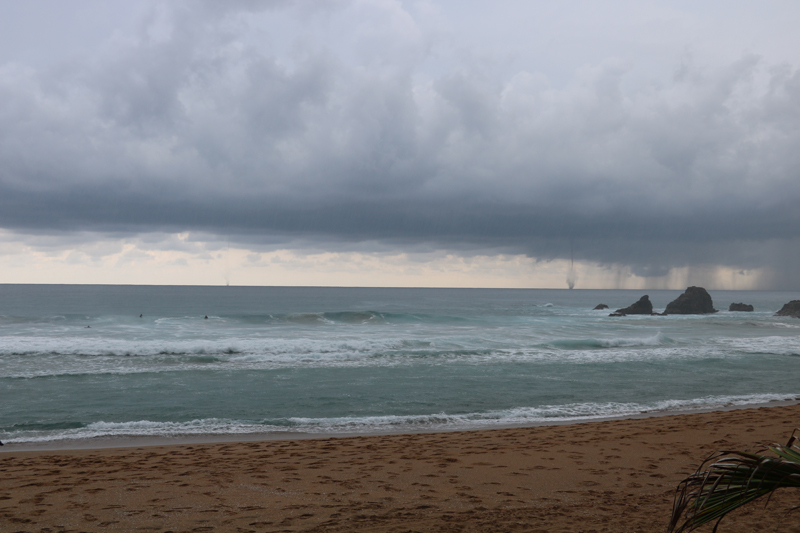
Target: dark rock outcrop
[695,301]
[790,309]
[740,307]
[600,307]
[642,307]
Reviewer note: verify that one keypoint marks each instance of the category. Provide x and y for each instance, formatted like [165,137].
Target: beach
[617,475]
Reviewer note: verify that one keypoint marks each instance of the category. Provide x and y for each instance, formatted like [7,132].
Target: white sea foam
[201,361]
[24,357]
[519,416]
[778,345]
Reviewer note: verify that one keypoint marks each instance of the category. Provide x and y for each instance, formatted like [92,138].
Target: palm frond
[731,480]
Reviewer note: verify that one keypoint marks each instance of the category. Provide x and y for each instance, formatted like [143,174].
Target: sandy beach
[604,476]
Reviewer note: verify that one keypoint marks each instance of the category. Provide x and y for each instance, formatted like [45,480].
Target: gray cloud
[400,137]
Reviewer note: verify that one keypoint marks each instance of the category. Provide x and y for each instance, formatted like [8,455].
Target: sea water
[79,362]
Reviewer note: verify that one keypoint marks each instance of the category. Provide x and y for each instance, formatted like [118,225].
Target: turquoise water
[347,360]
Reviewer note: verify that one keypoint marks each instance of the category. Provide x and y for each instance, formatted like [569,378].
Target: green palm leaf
[732,480]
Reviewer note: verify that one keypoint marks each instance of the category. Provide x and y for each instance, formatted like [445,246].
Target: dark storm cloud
[193,127]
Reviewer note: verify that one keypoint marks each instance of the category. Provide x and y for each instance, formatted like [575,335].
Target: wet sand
[604,476]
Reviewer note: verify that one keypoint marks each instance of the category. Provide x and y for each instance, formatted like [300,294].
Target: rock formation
[790,309]
[695,301]
[600,307]
[740,307]
[642,307]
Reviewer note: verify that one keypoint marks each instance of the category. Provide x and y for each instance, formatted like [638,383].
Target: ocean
[78,364]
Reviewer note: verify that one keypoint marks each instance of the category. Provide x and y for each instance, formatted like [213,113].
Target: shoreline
[137,441]
[608,476]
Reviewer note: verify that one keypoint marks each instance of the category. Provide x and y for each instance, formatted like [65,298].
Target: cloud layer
[380,122]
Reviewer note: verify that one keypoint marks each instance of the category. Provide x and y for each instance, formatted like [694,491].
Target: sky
[517,143]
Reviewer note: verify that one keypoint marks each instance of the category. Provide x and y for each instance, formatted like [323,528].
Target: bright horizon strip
[134,261]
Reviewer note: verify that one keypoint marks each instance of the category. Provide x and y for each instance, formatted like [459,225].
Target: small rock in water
[642,307]
[695,301]
[790,309]
[741,307]
[600,307]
